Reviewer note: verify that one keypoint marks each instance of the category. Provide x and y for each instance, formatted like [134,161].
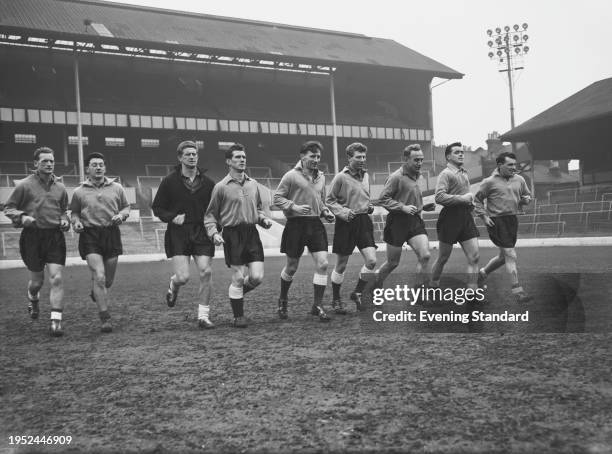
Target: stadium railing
[14,167]
[584,193]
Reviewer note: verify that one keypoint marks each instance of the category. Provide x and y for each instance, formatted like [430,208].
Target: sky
[569,44]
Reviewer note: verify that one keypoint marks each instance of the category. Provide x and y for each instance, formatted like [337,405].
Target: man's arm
[282,193]
[211,217]
[386,198]
[162,204]
[332,199]
[480,198]
[15,202]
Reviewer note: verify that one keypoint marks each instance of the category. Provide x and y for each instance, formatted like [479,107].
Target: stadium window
[59,117]
[265,127]
[223,125]
[157,122]
[373,134]
[168,122]
[244,126]
[212,125]
[302,129]
[406,134]
[234,126]
[86,118]
[135,121]
[292,129]
[33,116]
[19,115]
[224,146]
[283,128]
[149,143]
[74,140]
[355,132]
[110,120]
[25,138]
[397,134]
[380,133]
[71,118]
[46,116]
[6,114]
[312,130]
[389,133]
[200,144]
[339,131]
[114,141]
[145,121]
[329,130]
[413,134]
[254,127]
[421,134]
[364,132]
[180,123]
[273,127]
[97,119]
[320,130]
[122,120]
[201,124]
[190,123]
[346,131]
[427,134]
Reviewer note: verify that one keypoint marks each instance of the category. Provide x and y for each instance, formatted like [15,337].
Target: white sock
[203,311]
[56,315]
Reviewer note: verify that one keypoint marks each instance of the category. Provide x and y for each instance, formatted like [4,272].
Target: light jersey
[503,196]
[348,192]
[96,205]
[452,182]
[300,188]
[401,189]
[233,203]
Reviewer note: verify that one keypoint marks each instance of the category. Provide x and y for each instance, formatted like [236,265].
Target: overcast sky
[570,48]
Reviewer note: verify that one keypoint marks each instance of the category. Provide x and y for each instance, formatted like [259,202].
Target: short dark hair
[311,145]
[449,149]
[410,148]
[229,153]
[95,155]
[501,159]
[355,146]
[40,150]
[185,144]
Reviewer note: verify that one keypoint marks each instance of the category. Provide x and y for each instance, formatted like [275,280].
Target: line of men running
[201,215]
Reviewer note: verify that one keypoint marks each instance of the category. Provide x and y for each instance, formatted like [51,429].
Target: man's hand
[64,225]
[525,200]
[179,219]
[329,216]
[218,239]
[77,226]
[301,209]
[117,219]
[370,209]
[28,221]
[488,221]
[266,223]
[468,198]
[409,209]
[351,215]
[429,206]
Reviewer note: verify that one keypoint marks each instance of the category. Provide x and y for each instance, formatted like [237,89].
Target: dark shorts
[188,239]
[400,227]
[303,232]
[104,241]
[503,233]
[358,232]
[242,245]
[41,246]
[456,225]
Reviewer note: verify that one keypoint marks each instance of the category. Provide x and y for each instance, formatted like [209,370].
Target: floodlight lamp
[498,30]
[526,49]
[525,37]
[525,26]
[516,27]
[490,43]
[499,53]
[515,37]
[491,54]
[498,40]
[506,28]
[489,32]
[517,50]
